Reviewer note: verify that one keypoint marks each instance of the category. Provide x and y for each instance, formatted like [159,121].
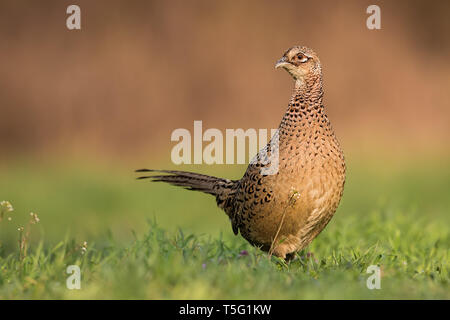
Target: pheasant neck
[306,101]
[308,89]
[305,114]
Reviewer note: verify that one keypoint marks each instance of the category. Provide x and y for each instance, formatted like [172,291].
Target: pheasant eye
[302,57]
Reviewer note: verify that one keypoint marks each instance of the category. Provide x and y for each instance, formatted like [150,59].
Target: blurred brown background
[137,70]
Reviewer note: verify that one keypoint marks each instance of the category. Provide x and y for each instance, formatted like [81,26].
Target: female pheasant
[283,211]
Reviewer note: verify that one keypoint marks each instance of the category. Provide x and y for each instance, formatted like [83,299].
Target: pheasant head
[303,65]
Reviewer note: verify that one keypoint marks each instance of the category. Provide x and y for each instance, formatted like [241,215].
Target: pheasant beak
[281,63]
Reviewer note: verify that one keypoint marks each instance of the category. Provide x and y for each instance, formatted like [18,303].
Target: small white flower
[84,247]
[34,218]
[7,205]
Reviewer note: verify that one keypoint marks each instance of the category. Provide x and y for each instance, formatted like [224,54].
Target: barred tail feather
[223,189]
[188,180]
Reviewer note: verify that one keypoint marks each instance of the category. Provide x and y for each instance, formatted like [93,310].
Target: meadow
[137,240]
[81,109]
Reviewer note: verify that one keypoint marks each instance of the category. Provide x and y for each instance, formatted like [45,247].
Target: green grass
[391,216]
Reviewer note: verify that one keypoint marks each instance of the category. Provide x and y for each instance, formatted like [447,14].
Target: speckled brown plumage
[296,203]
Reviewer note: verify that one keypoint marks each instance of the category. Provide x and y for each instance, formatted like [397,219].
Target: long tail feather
[187,180]
[222,189]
